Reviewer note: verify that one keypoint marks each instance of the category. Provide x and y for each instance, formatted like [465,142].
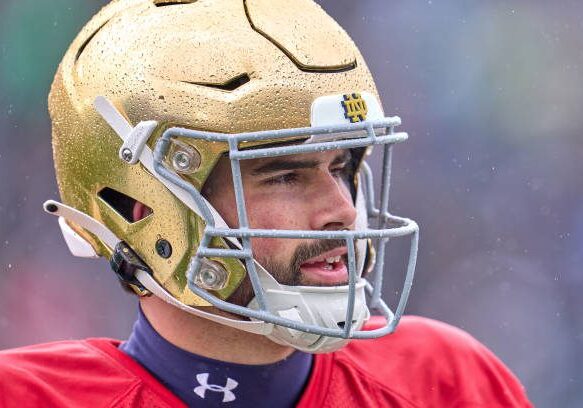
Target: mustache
[307,251]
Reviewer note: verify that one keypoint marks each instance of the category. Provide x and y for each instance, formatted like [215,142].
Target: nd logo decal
[354,107]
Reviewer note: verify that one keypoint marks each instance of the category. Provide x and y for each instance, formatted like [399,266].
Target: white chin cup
[323,306]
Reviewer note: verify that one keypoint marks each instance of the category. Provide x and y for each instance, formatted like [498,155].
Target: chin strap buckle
[124,263]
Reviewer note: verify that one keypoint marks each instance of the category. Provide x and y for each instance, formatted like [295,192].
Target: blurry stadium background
[491,94]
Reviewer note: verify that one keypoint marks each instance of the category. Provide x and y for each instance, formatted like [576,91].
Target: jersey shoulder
[428,363]
[432,362]
[91,372]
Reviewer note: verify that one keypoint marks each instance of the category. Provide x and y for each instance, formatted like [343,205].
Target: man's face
[300,192]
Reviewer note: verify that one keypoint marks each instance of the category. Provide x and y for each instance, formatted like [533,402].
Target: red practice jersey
[423,364]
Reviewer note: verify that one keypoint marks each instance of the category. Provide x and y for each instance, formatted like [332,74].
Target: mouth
[327,269]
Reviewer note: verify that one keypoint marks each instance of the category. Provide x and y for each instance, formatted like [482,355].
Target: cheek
[280,216]
[223,201]
[267,213]
[270,249]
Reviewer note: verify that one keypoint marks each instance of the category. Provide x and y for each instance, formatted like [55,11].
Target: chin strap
[289,301]
[257,327]
[323,306]
[64,212]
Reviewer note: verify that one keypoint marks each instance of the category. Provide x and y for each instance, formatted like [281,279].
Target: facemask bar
[382,215]
[404,226]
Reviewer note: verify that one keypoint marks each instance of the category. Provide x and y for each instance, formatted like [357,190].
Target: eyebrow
[289,164]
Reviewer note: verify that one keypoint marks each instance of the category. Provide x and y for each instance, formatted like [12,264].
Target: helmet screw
[182,161]
[185,158]
[163,248]
[127,154]
[211,275]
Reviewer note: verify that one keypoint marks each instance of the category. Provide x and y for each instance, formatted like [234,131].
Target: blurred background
[491,94]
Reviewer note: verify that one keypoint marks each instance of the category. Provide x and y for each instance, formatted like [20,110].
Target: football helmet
[148,98]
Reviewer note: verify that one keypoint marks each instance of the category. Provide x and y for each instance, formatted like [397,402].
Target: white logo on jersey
[204,386]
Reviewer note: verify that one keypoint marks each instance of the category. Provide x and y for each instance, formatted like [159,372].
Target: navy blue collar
[201,381]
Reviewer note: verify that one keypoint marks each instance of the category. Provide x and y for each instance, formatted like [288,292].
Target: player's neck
[209,339]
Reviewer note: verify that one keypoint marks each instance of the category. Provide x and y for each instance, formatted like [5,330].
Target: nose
[333,208]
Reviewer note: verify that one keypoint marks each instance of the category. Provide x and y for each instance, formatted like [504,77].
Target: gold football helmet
[152,93]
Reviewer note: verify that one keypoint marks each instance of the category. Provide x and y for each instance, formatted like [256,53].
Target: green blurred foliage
[33,38]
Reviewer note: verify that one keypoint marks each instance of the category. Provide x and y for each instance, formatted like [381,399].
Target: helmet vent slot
[230,85]
[124,205]
[163,3]
[88,40]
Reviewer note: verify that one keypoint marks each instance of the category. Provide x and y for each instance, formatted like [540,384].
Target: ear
[140,211]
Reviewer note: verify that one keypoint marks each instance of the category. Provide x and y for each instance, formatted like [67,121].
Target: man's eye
[286,178]
[341,172]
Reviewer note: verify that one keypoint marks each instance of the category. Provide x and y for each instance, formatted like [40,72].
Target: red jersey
[423,364]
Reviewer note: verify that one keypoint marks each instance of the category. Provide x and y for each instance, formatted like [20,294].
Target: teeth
[330,260]
[333,259]
[328,267]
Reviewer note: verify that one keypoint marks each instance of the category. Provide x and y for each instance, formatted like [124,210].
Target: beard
[290,273]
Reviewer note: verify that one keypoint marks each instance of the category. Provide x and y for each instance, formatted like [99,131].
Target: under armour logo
[354,107]
[204,386]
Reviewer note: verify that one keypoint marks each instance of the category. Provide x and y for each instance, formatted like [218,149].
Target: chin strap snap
[125,262]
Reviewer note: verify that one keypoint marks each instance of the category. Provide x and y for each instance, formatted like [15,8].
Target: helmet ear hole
[129,208]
